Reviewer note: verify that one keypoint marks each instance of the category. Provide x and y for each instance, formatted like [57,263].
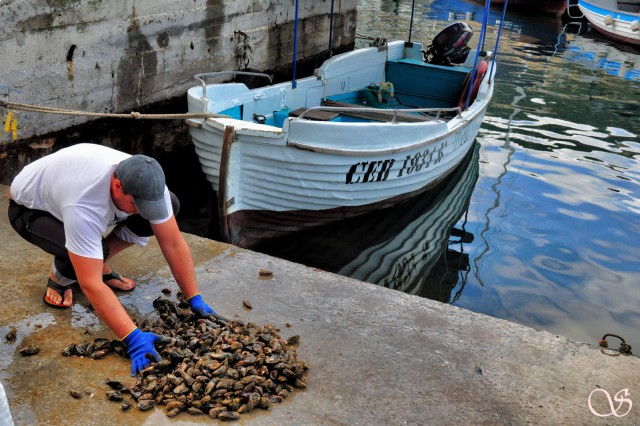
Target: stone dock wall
[122,55]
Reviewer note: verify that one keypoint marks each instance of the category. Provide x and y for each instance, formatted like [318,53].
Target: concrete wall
[120,55]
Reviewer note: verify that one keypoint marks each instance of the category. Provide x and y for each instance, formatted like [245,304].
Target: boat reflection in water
[617,60]
[412,247]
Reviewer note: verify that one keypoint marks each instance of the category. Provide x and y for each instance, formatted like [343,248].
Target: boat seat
[316,115]
[378,115]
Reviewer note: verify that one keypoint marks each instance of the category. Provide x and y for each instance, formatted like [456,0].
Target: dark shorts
[45,231]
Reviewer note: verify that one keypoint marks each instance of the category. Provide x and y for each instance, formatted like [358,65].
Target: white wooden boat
[292,155]
[619,20]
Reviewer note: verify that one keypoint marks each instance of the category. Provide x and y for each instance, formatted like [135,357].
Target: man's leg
[115,245]
[45,231]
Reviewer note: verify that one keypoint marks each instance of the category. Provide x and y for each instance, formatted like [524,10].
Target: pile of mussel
[209,366]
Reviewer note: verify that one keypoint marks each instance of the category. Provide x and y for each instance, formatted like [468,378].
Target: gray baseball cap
[143,178]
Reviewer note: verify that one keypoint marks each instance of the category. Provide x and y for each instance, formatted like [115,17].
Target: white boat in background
[619,20]
[371,128]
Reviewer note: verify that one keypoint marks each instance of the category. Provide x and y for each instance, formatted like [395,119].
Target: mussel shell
[175,404]
[11,335]
[229,415]
[114,384]
[146,404]
[194,411]
[29,350]
[69,350]
[99,354]
[114,395]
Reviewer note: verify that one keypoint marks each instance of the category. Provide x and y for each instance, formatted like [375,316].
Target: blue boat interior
[421,85]
[416,84]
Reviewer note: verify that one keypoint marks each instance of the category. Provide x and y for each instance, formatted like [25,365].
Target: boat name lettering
[378,171]
[370,171]
[416,162]
[461,138]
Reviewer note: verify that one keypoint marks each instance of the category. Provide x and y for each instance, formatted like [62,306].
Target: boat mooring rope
[374,41]
[132,114]
[11,121]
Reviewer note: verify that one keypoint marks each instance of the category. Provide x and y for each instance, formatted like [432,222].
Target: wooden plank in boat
[315,115]
[378,115]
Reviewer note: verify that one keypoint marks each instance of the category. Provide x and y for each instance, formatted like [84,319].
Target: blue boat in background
[614,62]
[618,20]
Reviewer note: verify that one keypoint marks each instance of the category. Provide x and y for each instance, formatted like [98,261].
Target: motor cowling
[449,46]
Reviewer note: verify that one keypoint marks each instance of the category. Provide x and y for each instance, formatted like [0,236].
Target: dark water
[544,231]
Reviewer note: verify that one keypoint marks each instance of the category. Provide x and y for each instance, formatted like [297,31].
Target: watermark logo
[619,397]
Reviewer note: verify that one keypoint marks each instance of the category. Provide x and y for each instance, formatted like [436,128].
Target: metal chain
[625,349]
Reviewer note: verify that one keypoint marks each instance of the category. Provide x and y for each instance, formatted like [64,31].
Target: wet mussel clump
[209,366]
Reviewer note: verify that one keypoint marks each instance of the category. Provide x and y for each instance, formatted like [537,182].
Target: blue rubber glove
[199,307]
[139,344]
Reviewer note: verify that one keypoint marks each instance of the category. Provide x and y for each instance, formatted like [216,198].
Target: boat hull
[407,247]
[606,18]
[248,227]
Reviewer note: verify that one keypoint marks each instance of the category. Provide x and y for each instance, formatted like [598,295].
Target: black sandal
[60,289]
[113,275]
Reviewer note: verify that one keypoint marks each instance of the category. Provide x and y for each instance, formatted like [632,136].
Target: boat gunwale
[352,153]
[464,118]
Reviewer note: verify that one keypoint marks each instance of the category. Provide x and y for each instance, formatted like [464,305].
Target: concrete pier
[116,56]
[377,356]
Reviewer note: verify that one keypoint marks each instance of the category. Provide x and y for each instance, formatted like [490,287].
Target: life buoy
[481,70]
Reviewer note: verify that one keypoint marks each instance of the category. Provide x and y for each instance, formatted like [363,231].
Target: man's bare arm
[101,297]
[178,256]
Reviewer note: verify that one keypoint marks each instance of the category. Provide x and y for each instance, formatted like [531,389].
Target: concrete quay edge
[377,356]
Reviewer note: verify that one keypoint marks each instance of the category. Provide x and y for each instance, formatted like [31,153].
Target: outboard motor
[450,45]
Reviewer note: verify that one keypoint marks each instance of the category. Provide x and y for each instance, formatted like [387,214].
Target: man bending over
[65,202]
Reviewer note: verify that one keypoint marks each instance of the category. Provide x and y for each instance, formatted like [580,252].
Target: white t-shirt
[73,184]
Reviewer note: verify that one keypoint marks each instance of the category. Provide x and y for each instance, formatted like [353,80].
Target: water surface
[547,235]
